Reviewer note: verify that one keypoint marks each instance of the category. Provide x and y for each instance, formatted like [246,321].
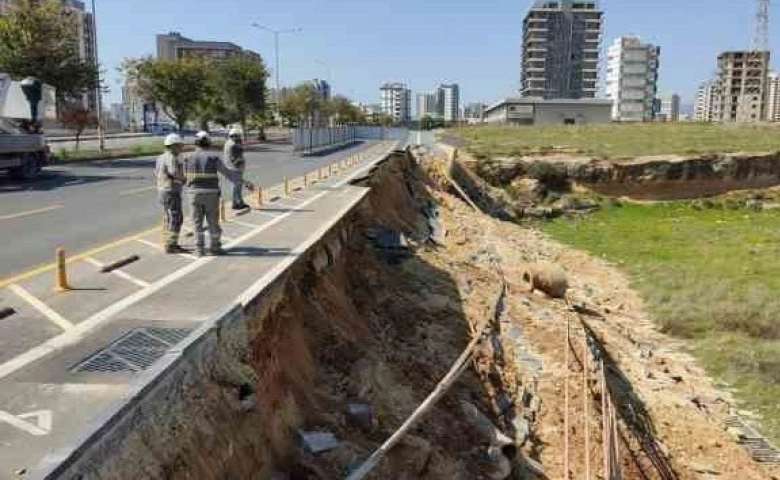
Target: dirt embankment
[657,178]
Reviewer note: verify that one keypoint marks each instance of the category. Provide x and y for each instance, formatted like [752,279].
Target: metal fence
[308,141]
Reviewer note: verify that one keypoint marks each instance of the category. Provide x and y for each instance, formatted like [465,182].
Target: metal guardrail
[308,141]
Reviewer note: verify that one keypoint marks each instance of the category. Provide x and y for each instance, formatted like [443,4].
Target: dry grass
[619,140]
[707,275]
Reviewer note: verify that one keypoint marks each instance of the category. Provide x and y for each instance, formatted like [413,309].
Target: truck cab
[23,107]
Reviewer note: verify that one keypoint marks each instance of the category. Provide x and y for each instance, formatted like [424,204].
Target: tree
[344,111]
[180,86]
[299,104]
[40,38]
[77,118]
[240,82]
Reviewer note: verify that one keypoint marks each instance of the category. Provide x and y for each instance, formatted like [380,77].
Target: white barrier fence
[308,141]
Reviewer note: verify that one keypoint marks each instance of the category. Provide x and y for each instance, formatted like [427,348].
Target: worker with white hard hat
[234,155]
[201,170]
[169,178]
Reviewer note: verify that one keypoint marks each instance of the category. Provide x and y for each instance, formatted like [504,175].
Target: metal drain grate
[757,445]
[135,351]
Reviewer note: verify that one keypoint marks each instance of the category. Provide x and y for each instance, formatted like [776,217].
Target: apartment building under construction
[742,86]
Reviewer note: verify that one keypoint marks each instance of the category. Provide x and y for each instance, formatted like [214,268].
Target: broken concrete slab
[318,442]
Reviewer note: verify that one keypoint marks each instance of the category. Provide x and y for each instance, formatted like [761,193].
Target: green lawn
[711,276]
[619,140]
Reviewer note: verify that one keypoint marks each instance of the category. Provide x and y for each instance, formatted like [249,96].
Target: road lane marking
[44,309]
[119,273]
[78,332]
[31,212]
[160,248]
[137,190]
[79,256]
[246,224]
[42,425]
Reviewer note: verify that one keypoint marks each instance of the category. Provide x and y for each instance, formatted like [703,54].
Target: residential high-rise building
[561,43]
[632,79]
[425,104]
[86,38]
[668,108]
[742,86]
[448,102]
[173,45]
[706,97]
[397,102]
[773,102]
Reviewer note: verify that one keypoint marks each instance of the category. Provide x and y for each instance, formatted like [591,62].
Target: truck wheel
[30,169]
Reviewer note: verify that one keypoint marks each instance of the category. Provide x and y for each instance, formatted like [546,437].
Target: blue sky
[475,43]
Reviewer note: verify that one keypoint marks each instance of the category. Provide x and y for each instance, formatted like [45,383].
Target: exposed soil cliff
[653,178]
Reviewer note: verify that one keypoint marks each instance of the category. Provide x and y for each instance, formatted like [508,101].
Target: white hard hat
[202,135]
[173,139]
[234,132]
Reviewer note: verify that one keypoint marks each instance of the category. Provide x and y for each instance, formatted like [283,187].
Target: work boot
[242,206]
[175,249]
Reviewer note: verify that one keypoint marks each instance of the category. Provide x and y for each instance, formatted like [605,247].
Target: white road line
[22,425]
[119,273]
[160,249]
[44,309]
[30,212]
[245,224]
[82,329]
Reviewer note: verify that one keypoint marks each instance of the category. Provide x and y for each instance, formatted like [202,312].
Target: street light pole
[101,131]
[277,34]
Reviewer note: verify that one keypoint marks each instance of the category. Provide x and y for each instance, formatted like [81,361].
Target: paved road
[81,206]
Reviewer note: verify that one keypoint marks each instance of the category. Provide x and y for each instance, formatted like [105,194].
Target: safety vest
[201,169]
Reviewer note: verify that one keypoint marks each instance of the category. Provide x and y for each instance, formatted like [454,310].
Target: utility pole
[277,34]
[99,89]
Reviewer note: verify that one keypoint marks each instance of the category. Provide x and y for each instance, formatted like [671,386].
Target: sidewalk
[66,357]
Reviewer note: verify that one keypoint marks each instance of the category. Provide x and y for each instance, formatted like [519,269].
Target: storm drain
[133,352]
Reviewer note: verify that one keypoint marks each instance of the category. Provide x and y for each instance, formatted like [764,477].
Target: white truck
[23,107]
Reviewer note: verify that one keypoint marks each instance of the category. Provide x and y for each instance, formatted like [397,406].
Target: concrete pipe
[547,277]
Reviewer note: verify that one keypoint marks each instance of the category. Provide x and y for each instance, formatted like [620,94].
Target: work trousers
[173,216]
[204,206]
[238,190]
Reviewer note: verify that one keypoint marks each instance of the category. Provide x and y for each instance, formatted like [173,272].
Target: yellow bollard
[259,197]
[305,180]
[222,212]
[62,274]
[286,187]
[319,174]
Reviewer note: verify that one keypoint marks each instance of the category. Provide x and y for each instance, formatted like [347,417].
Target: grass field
[619,140]
[711,276]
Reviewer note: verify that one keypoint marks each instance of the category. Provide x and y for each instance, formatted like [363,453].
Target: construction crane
[752,105]
[760,41]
